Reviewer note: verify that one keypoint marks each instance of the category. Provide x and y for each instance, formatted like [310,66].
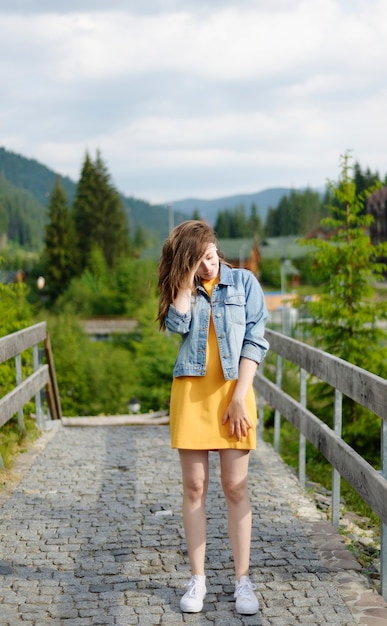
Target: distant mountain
[208,209]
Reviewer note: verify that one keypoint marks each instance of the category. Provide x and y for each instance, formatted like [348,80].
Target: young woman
[220,314]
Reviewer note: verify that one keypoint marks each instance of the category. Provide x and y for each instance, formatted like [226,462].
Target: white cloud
[197,97]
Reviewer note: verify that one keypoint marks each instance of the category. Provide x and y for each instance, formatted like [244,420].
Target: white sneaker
[192,601]
[246,600]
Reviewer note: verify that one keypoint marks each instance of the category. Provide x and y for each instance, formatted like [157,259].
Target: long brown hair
[181,251]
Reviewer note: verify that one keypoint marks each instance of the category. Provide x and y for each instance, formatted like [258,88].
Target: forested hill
[33,176]
[25,188]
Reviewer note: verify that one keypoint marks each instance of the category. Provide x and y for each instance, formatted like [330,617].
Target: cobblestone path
[92,535]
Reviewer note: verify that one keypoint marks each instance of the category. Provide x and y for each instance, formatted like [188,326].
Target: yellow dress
[198,404]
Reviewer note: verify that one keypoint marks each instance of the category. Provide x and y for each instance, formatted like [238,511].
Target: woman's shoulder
[243,274]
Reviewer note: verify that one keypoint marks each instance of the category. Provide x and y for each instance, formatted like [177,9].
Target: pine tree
[255,222]
[98,214]
[111,229]
[61,252]
[84,211]
[347,314]
[222,225]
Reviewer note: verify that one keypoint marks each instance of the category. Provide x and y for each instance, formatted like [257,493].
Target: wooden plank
[20,395]
[356,383]
[52,389]
[369,483]
[51,402]
[15,343]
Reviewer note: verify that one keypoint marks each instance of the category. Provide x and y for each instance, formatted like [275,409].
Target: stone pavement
[92,535]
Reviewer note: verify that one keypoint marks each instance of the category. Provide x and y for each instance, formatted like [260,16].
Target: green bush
[97,378]
[103,292]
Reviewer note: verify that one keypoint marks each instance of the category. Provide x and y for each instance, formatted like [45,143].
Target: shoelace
[192,587]
[245,589]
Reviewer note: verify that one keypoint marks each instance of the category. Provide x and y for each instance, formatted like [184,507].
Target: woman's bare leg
[194,467]
[234,476]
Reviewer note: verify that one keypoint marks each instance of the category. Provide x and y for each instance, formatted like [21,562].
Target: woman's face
[209,266]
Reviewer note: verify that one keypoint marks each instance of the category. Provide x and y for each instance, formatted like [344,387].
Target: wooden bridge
[361,386]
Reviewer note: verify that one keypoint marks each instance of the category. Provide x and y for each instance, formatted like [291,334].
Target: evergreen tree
[98,214]
[111,229]
[222,225]
[364,180]
[84,211]
[61,252]
[270,229]
[140,238]
[255,223]
[232,224]
[239,224]
[296,214]
[346,315]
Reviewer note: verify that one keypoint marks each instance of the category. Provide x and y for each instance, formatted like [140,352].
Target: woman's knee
[235,491]
[195,489]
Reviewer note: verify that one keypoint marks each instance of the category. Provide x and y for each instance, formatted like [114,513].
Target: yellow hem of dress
[229,446]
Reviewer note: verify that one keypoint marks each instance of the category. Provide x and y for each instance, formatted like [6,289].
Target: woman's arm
[236,413]
[182,302]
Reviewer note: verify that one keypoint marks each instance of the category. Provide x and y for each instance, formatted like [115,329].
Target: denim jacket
[239,315]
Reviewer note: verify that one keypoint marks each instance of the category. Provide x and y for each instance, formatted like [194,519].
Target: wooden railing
[361,386]
[28,387]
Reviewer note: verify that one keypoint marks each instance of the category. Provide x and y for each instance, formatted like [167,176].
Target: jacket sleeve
[177,322]
[255,346]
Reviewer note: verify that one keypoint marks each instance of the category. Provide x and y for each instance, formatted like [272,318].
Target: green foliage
[30,175]
[61,251]
[15,314]
[100,290]
[235,224]
[92,377]
[296,214]
[98,214]
[99,377]
[346,316]
[29,184]
[13,442]
[21,216]
[270,272]
[140,238]
[318,470]
[363,182]
[154,354]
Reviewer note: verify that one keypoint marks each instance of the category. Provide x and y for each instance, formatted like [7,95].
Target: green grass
[13,442]
[319,471]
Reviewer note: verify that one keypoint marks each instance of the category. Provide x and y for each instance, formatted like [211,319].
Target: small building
[286,247]
[103,328]
[241,252]
[12,277]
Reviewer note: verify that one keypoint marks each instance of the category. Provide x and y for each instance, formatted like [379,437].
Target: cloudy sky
[196,98]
